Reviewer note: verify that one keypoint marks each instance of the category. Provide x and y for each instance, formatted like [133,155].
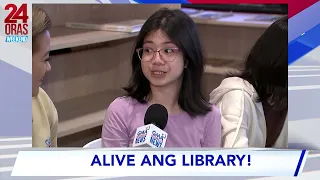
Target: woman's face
[40,64]
[166,67]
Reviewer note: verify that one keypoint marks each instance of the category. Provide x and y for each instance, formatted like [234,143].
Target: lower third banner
[114,163]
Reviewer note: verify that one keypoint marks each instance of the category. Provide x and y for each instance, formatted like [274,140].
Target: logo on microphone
[48,142]
[157,138]
[141,136]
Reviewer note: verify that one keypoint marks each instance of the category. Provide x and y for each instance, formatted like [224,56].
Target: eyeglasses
[166,54]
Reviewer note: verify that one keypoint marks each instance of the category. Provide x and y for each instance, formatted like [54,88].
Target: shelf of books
[81,33]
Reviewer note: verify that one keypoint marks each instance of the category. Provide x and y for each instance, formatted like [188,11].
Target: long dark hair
[181,29]
[266,68]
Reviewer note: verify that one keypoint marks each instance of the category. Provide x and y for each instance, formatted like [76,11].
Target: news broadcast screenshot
[161,89]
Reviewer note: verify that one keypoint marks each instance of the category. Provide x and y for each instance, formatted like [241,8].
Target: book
[267,17]
[190,11]
[130,26]
[213,15]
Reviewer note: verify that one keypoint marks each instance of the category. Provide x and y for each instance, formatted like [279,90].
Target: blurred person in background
[167,67]
[254,103]
[44,113]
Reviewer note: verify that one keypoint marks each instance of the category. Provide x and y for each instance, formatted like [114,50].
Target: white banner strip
[160,163]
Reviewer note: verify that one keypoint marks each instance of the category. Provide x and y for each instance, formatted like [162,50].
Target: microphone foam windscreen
[156,114]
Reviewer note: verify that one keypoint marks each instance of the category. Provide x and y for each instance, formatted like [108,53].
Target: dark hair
[266,66]
[181,29]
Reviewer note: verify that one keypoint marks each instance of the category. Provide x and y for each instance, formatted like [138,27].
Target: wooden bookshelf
[89,68]
[81,123]
[63,37]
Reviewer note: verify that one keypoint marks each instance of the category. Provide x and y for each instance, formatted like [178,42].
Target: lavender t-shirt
[125,115]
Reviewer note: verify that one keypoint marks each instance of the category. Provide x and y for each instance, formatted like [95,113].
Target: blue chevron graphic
[303,44]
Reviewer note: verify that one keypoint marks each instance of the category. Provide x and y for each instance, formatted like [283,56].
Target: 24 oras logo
[16,23]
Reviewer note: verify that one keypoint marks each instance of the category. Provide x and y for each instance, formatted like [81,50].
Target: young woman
[44,113]
[254,104]
[167,67]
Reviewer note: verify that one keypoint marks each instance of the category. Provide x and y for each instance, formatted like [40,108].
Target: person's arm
[114,130]
[234,120]
[53,118]
[212,137]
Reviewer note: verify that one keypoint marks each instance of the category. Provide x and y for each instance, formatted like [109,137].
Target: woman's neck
[167,96]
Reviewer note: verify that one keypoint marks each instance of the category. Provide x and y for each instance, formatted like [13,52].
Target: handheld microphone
[152,134]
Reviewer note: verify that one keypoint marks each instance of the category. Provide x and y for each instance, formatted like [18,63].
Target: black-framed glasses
[166,54]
